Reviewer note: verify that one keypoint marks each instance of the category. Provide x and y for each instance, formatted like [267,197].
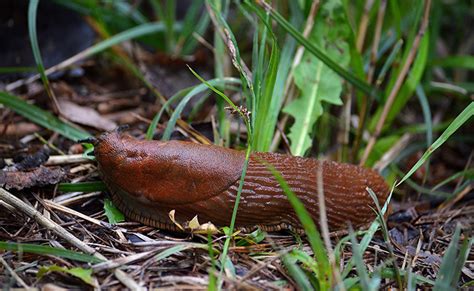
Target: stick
[62,232]
[398,83]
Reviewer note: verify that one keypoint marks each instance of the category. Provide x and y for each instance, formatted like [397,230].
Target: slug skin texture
[148,179]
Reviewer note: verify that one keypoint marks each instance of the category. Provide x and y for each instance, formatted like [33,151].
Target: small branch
[121,261]
[70,211]
[69,159]
[367,101]
[63,233]
[325,228]
[376,41]
[392,153]
[364,23]
[15,276]
[398,83]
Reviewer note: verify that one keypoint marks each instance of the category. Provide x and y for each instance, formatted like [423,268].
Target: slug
[149,179]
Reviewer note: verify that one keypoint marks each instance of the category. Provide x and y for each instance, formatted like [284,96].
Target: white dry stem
[63,233]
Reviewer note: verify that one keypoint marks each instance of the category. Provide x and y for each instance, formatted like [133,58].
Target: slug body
[148,179]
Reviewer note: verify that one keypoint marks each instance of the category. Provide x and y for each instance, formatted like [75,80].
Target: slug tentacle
[148,179]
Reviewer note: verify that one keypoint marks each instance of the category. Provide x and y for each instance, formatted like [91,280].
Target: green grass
[47,250]
[42,117]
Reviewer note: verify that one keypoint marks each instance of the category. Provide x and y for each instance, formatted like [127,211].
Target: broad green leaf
[308,261]
[318,50]
[113,214]
[316,81]
[252,238]
[84,274]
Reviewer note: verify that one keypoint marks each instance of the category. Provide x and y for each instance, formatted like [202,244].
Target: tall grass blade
[32,11]
[313,235]
[266,104]
[47,250]
[464,116]
[82,187]
[193,92]
[296,273]
[42,117]
[453,260]
[318,52]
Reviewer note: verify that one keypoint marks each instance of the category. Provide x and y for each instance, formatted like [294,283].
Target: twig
[325,228]
[364,22]
[204,42]
[376,41]
[398,83]
[68,210]
[366,104]
[69,159]
[121,261]
[74,197]
[63,233]
[392,153]
[344,127]
[15,276]
[7,206]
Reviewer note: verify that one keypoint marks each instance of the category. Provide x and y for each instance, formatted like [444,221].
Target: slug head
[170,173]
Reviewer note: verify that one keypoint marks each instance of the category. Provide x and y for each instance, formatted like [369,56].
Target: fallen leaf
[85,116]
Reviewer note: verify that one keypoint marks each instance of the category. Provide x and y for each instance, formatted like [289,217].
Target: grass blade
[32,9]
[192,93]
[135,32]
[82,187]
[296,273]
[178,248]
[265,117]
[452,128]
[47,250]
[360,265]
[460,62]
[318,52]
[453,260]
[42,117]
[314,237]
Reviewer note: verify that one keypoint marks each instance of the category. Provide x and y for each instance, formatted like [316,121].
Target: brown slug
[148,179]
